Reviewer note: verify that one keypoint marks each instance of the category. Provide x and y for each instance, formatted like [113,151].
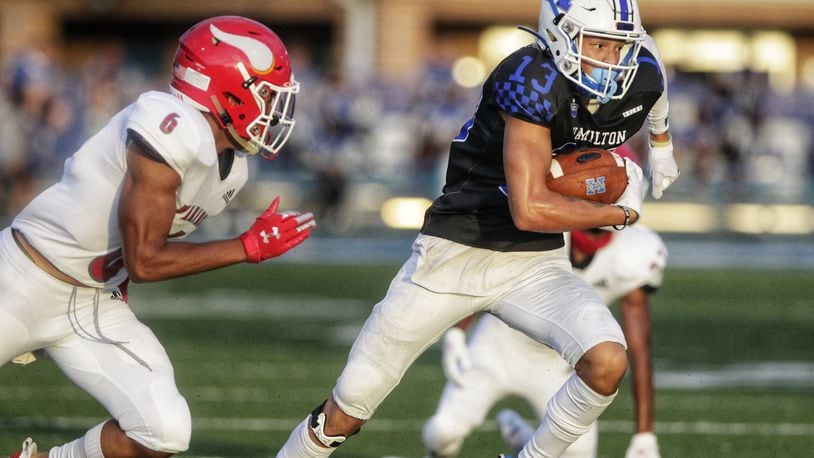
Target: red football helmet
[238,70]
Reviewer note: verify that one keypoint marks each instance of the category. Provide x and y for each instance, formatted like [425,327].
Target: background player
[493,241]
[149,177]
[497,361]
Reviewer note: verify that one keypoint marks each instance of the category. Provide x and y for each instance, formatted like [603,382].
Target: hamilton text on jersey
[598,137]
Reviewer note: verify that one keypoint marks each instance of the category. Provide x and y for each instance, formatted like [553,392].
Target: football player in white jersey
[498,361]
[492,242]
[148,178]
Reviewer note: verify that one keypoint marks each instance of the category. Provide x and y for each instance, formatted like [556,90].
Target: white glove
[455,356]
[643,445]
[634,192]
[662,167]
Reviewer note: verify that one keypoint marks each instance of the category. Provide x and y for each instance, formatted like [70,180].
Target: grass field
[256,348]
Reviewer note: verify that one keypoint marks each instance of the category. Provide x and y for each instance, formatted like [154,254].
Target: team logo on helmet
[260,56]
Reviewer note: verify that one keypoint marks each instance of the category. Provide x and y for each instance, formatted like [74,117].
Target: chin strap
[226,120]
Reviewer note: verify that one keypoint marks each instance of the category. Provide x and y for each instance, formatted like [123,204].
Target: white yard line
[392,425]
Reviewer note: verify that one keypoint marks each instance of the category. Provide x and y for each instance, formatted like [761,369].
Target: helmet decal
[623,10]
[193,77]
[260,56]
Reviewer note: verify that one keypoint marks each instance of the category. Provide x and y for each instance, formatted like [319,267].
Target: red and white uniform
[508,363]
[90,332]
[74,223]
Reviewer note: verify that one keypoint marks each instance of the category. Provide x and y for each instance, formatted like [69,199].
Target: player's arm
[146,211]
[662,166]
[636,324]
[527,159]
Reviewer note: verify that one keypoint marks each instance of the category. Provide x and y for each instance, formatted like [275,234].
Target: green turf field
[255,348]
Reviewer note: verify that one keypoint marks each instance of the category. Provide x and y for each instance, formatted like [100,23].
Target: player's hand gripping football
[662,167]
[643,445]
[273,233]
[634,192]
[455,356]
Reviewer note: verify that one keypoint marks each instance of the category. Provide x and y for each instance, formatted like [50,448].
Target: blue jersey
[473,208]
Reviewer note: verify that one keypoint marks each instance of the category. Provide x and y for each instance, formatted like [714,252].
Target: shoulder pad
[176,131]
[525,85]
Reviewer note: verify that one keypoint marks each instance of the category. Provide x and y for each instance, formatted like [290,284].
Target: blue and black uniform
[472,209]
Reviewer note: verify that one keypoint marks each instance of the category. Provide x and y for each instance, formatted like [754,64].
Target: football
[593,174]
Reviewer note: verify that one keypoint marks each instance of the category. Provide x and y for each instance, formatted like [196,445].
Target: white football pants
[98,342]
[443,282]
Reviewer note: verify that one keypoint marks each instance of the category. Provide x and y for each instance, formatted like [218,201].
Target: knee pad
[361,388]
[444,436]
[169,433]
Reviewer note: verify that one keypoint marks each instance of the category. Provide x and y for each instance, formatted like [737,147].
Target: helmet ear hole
[232,99]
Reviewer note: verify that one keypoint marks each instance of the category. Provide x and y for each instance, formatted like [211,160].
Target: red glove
[272,233]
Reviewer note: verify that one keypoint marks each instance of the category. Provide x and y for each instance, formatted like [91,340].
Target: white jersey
[634,258]
[74,223]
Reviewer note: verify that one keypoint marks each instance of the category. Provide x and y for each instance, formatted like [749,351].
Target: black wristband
[627,218]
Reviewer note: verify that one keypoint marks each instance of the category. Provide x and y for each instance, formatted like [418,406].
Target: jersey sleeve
[171,129]
[522,86]
[657,117]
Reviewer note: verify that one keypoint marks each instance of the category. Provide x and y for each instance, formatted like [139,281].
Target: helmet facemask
[269,131]
[606,81]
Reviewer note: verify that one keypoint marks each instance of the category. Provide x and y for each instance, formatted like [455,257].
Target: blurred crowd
[736,140]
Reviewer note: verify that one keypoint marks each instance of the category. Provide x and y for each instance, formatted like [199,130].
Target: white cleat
[29,449]
[514,429]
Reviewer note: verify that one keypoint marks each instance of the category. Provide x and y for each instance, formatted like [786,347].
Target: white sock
[299,444]
[93,441]
[87,446]
[569,415]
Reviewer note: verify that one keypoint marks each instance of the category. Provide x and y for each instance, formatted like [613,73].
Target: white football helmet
[564,24]
[238,70]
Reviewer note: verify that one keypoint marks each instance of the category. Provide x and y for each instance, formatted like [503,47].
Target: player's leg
[21,289]
[564,312]
[396,333]
[460,410]
[514,429]
[130,374]
[536,378]
[408,320]
[38,311]
[551,372]
[463,408]
[516,432]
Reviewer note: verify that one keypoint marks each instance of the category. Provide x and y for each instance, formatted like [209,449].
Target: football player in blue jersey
[493,241]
